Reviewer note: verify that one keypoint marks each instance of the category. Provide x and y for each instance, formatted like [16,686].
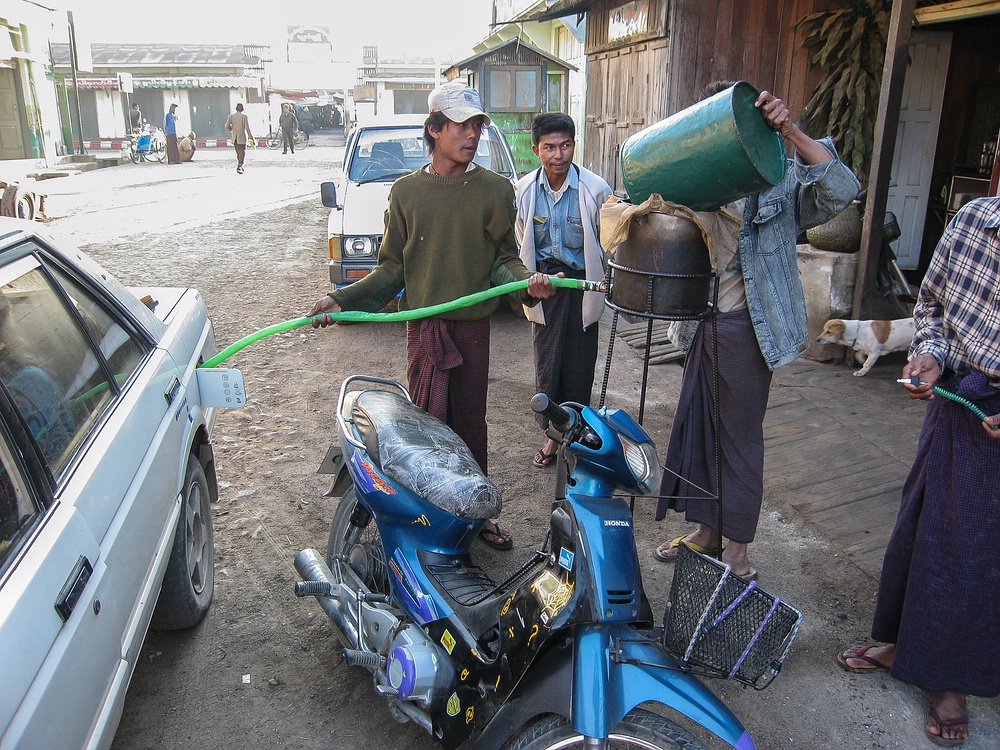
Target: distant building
[205,81]
[29,116]
[392,83]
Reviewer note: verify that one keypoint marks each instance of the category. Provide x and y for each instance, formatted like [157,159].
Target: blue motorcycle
[563,652]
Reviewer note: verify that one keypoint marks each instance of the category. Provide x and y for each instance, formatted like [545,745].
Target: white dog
[869,339]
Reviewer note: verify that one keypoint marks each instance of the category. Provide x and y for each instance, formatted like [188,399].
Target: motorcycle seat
[423,454]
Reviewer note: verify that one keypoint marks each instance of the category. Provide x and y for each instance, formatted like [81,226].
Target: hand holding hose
[324,304]
[540,286]
[926,370]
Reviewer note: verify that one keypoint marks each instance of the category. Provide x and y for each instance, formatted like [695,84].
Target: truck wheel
[189,582]
[639,729]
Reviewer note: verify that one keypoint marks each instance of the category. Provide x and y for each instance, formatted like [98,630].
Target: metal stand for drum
[656,281]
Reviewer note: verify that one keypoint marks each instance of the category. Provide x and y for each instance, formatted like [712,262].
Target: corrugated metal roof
[161,55]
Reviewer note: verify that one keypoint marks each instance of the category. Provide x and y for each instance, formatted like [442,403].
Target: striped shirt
[957,314]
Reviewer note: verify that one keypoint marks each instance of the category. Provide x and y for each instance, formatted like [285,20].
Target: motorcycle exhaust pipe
[319,582]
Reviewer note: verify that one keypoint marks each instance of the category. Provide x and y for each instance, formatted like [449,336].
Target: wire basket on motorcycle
[717,621]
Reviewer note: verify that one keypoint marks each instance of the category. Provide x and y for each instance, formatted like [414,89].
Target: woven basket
[841,234]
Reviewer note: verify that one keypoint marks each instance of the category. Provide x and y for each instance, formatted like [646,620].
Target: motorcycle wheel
[639,729]
[358,547]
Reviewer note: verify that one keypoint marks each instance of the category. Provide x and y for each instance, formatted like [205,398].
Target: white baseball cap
[457,102]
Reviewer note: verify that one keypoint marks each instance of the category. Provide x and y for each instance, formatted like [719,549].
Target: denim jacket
[772,219]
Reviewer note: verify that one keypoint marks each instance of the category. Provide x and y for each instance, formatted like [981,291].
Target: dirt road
[263,669]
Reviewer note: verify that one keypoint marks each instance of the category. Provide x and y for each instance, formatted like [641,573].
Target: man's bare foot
[948,722]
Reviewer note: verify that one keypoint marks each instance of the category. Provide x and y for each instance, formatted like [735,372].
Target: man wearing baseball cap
[449,232]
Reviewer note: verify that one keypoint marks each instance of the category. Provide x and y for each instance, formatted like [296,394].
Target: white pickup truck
[378,153]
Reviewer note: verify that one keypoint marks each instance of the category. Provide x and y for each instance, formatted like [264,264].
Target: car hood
[364,208]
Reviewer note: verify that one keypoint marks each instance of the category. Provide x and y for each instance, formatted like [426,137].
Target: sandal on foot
[937,739]
[543,460]
[493,536]
[668,551]
[860,653]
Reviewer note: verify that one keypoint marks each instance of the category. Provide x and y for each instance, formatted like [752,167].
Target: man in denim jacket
[761,324]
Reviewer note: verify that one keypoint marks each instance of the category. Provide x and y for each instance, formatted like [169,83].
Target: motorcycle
[561,653]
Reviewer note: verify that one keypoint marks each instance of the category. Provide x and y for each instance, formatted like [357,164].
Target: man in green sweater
[449,232]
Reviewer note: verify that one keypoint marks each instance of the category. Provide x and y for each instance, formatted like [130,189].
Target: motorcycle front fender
[616,669]
[581,681]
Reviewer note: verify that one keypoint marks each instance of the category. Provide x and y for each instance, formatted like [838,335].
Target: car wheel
[189,582]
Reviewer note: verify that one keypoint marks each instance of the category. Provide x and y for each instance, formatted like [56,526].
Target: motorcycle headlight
[644,464]
[359,247]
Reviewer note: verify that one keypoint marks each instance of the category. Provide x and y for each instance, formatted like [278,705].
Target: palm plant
[849,46]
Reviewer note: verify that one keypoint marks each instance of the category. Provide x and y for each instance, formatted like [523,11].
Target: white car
[106,480]
[378,154]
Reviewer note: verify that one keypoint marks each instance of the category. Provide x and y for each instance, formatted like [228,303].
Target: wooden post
[886,124]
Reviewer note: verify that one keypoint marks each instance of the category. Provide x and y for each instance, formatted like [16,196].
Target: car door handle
[72,590]
[171,393]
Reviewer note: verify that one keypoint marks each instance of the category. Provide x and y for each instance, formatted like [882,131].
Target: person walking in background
[558,229]
[135,118]
[170,131]
[288,124]
[449,232]
[938,605]
[761,325]
[239,125]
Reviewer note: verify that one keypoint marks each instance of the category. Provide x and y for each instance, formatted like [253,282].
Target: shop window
[512,89]
[555,92]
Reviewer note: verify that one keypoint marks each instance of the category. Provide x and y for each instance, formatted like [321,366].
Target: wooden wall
[688,44]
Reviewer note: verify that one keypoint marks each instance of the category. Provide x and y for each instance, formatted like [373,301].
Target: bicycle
[273,140]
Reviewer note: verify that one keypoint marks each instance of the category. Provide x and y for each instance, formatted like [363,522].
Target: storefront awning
[167,82]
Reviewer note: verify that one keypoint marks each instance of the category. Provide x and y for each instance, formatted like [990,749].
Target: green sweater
[445,237]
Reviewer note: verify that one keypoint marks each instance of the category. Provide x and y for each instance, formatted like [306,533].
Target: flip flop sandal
[859,652]
[661,554]
[543,460]
[937,739]
[493,536]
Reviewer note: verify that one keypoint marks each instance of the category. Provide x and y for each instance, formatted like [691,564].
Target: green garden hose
[964,402]
[354,316]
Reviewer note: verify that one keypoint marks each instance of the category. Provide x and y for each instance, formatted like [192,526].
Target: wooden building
[516,81]
[936,126]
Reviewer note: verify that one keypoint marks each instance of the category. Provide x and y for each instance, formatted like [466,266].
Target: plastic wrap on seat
[424,454]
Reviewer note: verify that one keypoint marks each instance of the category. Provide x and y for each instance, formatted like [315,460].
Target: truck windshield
[389,152]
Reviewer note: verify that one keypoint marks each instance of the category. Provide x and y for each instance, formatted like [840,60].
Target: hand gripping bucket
[707,155]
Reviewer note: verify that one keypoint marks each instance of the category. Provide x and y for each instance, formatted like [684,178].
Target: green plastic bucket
[707,155]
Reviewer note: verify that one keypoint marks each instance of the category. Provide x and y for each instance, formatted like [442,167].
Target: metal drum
[662,270]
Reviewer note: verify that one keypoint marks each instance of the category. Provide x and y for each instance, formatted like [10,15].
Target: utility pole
[76,86]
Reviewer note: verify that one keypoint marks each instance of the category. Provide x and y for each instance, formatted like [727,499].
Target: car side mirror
[328,194]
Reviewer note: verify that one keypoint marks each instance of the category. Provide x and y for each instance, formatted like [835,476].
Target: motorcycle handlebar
[562,419]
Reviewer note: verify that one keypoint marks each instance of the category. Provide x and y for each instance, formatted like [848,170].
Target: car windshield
[388,153]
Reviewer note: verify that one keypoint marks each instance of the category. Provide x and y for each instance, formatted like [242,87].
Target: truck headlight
[359,247]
